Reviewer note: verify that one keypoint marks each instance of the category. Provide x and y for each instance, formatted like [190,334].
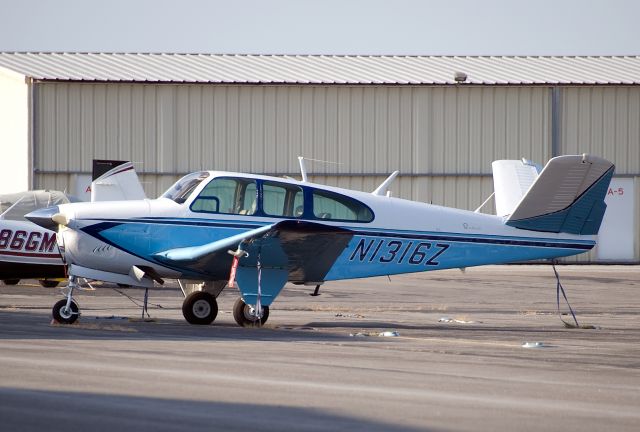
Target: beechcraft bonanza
[29,251]
[261,232]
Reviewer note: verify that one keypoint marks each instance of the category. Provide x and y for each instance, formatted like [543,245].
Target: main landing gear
[247,316]
[200,307]
[66,311]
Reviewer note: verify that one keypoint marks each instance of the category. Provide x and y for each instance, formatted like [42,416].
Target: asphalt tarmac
[320,364]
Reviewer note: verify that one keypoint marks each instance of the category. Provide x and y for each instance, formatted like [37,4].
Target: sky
[374,27]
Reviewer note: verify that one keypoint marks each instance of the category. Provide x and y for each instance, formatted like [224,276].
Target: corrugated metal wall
[442,139]
[604,121]
[170,129]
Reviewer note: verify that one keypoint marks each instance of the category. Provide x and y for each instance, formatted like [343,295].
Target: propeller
[45,218]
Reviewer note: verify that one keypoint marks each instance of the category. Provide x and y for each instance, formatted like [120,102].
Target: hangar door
[618,231]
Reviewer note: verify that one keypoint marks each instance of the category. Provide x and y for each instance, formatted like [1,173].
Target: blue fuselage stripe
[357,231]
[469,239]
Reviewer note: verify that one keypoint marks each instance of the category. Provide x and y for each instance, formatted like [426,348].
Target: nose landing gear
[63,314]
[66,311]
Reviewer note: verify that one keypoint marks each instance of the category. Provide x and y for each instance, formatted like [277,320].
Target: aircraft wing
[307,250]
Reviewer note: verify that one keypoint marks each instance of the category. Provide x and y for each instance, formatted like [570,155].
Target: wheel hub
[66,312]
[251,313]
[201,309]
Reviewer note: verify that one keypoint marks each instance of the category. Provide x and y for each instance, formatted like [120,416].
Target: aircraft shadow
[26,325]
[23,324]
[37,410]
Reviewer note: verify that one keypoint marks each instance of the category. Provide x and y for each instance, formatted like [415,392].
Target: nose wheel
[64,314]
[200,308]
[247,316]
[66,311]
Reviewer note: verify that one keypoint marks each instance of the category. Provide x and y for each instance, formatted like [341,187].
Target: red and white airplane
[28,251]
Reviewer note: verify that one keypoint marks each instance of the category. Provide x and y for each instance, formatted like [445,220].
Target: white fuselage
[404,236]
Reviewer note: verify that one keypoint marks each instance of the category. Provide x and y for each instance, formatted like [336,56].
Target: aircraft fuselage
[390,235]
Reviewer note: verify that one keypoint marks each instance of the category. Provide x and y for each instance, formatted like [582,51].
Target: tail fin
[567,196]
[511,181]
[115,181]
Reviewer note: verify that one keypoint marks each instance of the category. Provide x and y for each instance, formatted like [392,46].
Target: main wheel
[63,315]
[200,307]
[245,314]
[11,281]
[47,283]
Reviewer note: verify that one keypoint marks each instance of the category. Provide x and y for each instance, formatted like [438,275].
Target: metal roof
[323,69]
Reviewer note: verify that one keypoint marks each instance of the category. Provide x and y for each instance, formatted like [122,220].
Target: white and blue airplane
[261,232]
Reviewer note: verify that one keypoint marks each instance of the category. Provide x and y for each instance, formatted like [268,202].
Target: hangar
[439,120]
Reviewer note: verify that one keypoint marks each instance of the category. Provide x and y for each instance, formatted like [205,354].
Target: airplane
[27,251]
[260,232]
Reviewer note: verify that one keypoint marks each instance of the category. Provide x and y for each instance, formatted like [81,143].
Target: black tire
[64,317]
[200,308]
[11,281]
[46,283]
[244,318]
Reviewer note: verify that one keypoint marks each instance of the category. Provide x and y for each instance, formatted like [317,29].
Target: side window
[332,206]
[227,196]
[281,199]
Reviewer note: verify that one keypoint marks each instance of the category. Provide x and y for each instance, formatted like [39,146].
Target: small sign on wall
[83,187]
[618,232]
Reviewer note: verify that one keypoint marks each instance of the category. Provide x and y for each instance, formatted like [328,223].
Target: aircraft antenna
[382,189]
[484,203]
[303,168]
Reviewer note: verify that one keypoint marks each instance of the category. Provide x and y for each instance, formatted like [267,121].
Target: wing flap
[312,249]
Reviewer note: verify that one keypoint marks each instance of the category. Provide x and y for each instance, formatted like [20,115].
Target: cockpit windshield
[182,189]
